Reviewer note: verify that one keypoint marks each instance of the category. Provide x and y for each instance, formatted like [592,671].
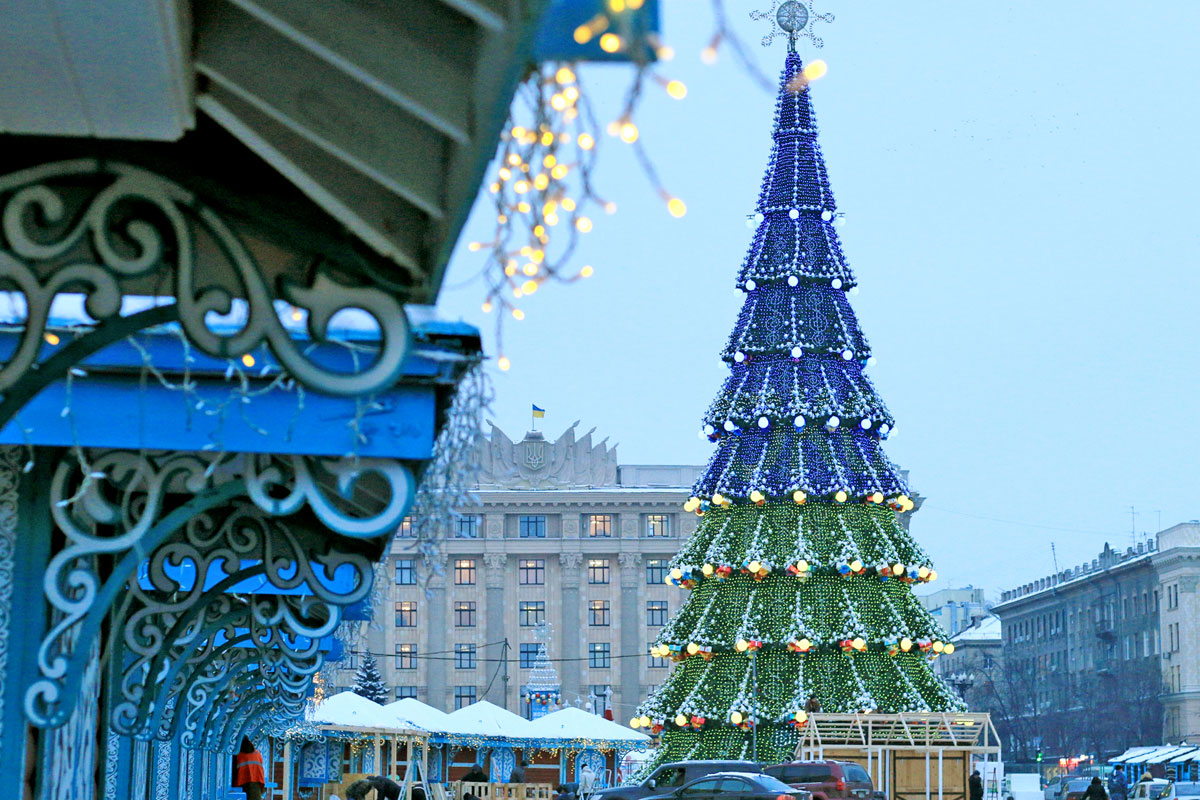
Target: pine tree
[368,682]
[800,572]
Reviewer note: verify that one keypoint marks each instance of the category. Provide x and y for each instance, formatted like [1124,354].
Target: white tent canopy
[486,719]
[347,709]
[412,712]
[574,723]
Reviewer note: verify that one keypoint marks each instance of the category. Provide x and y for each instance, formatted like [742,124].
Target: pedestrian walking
[587,781]
[975,786]
[248,773]
[518,773]
[1095,791]
[1118,784]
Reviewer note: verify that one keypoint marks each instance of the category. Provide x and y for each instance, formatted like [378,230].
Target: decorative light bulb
[718,499]
[801,716]
[802,565]
[906,644]
[899,569]
[676,89]
[629,132]
[729,426]
[865,424]
[680,720]
[693,648]
[739,356]
[794,214]
[503,363]
[827,215]
[847,354]
[833,422]
[676,207]
[736,718]
[841,498]
[758,217]
[949,648]
[836,283]
[797,352]
[856,565]
[763,422]
[741,645]
[707,570]
[610,43]
[793,281]
[799,497]
[938,647]
[756,496]
[877,497]
[859,643]
[676,573]
[751,285]
[754,566]
[635,723]
[798,421]
[804,644]
[933,575]
[586,142]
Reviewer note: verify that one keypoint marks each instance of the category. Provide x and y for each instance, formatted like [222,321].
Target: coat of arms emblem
[535,454]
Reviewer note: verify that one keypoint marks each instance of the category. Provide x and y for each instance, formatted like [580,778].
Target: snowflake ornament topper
[792,19]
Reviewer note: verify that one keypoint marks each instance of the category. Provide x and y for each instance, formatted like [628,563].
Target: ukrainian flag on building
[538,413]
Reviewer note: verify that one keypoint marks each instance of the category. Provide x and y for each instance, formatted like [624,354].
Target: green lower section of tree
[775,743]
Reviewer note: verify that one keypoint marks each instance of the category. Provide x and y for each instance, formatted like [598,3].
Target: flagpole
[532,418]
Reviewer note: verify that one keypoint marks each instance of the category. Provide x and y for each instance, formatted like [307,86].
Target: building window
[655,662]
[406,614]
[466,527]
[529,652]
[406,656]
[600,526]
[601,695]
[404,692]
[406,572]
[407,531]
[658,525]
[533,613]
[464,572]
[598,613]
[597,570]
[464,656]
[532,571]
[532,527]
[464,614]
[599,655]
[656,571]
[463,696]
[656,612]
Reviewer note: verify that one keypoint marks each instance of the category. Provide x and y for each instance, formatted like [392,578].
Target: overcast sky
[1020,185]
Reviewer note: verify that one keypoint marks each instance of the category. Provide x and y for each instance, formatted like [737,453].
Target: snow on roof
[413,713]
[486,719]
[1130,753]
[350,709]
[1191,754]
[575,723]
[1158,755]
[987,629]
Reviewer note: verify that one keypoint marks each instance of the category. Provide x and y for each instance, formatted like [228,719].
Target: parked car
[1187,789]
[668,777]
[1154,789]
[738,786]
[1074,788]
[827,780]
[1053,788]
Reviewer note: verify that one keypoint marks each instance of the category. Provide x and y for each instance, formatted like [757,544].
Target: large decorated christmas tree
[800,572]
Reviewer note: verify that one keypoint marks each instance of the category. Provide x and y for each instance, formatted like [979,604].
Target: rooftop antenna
[1054,555]
[1133,524]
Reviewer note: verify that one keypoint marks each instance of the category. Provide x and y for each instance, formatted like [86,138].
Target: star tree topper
[794,19]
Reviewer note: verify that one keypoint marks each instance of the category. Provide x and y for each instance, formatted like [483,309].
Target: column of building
[629,692]
[569,649]
[496,575]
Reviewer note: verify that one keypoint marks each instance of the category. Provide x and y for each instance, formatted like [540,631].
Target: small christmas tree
[368,682]
[800,573]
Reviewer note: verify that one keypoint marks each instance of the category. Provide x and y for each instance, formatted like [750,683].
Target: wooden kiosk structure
[909,756]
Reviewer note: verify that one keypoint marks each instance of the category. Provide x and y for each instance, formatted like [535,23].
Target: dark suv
[827,780]
[669,777]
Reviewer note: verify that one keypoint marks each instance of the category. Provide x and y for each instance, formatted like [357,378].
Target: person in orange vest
[248,773]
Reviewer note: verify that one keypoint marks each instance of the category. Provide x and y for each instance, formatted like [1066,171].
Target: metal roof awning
[1130,753]
[922,732]
[1191,754]
[1158,755]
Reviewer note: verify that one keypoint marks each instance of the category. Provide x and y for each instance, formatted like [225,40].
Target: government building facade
[566,548]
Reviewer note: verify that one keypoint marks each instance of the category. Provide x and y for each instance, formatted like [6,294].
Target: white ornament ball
[847,354]
[751,285]
[709,430]
[763,422]
[827,215]
[758,217]
[729,426]
[871,361]
[853,291]
[865,424]
[884,428]
[833,421]
[793,280]
[739,356]
[797,352]
[836,283]
[794,214]
[799,421]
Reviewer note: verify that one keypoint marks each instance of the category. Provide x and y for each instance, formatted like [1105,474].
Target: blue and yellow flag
[538,413]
